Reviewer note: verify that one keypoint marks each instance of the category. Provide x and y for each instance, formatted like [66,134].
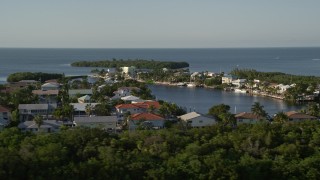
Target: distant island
[138,63]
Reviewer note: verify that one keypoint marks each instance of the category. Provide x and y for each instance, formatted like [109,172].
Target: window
[200,121]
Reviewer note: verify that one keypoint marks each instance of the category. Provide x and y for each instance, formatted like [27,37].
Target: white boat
[181,84]
[240,90]
[191,85]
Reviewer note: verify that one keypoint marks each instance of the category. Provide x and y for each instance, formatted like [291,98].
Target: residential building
[28,111]
[194,119]
[47,96]
[298,117]
[129,71]
[124,91]
[84,99]
[80,109]
[134,108]
[104,122]
[50,86]
[4,117]
[239,82]
[248,118]
[47,126]
[227,79]
[146,119]
[80,92]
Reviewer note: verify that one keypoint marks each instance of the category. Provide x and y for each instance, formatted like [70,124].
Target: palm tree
[38,120]
[281,117]
[258,110]
[313,109]
[88,109]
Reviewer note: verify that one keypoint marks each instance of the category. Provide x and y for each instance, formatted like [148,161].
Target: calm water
[201,99]
[301,61]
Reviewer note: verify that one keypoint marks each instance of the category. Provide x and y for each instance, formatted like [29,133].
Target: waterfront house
[129,71]
[4,117]
[194,119]
[282,88]
[130,98]
[145,120]
[238,82]
[137,107]
[28,111]
[50,86]
[124,91]
[248,118]
[46,126]
[103,122]
[227,79]
[298,117]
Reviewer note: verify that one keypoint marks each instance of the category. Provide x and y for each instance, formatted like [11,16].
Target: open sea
[299,61]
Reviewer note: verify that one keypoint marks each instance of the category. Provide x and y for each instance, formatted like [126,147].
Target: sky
[159,24]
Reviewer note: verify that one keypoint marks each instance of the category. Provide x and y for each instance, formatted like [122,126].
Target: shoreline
[212,87]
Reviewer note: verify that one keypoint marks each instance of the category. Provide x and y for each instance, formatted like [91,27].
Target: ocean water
[299,61]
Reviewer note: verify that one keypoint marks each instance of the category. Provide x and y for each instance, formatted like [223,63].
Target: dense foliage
[261,151]
[138,63]
[37,76]
[274,77]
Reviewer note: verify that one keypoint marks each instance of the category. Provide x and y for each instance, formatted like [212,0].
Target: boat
[191,85]
[240,90]
[181,84]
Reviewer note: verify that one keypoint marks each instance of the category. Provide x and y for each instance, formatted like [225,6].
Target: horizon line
[249,47]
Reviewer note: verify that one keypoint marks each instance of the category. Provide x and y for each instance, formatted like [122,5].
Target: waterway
[201,99]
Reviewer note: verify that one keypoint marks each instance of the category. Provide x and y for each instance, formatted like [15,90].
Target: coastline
[263,94]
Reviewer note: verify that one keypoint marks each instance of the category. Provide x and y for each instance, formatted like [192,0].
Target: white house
[195,119]
[129,71]
[227,79]
[104,122]
[124,91]
[282,88]
[145,119]
[239,82]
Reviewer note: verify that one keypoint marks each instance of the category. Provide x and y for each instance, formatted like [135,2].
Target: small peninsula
[138,63]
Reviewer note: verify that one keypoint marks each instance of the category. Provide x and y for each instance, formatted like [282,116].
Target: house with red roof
[248,118]
[145,120]
[298,117]
[134,108]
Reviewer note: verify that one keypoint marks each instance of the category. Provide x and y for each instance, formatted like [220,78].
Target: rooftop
[146,116]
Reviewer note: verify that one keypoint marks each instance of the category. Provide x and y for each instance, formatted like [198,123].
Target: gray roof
[82,106]
[46,124]
[80,91]
[37,106]
[95,119]
[192,115]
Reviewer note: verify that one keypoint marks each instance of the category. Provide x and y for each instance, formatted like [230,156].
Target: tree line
[37,76]
[138,63]
[261,151]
